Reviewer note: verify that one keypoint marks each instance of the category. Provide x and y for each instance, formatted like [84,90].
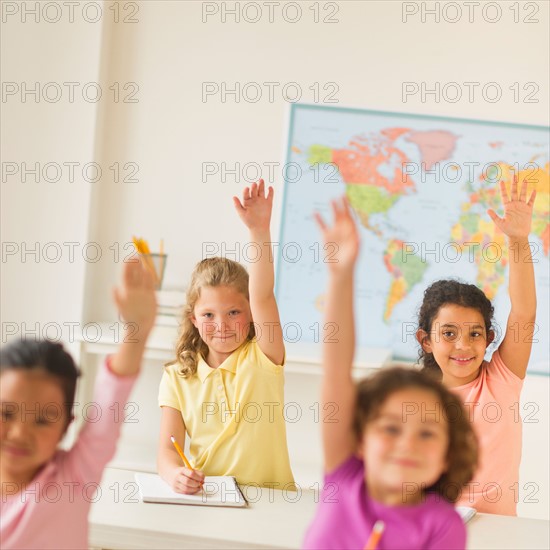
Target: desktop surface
[273,519]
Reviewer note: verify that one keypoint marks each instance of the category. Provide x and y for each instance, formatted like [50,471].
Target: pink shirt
[492,404]
[346,515]
[52,511]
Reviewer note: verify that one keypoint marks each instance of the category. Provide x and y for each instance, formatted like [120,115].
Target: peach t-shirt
[492,405]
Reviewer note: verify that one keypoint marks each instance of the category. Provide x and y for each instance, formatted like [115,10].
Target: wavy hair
[462,452]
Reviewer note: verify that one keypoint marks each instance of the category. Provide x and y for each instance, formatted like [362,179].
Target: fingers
[523,192]
[254,190]
[514,192]
[504,193]
[257,190]
[340,210]
[320,222]
[188,481]
[128,273]
[148,278]
[514,196]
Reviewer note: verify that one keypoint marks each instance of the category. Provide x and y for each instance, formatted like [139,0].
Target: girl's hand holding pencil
[187,480]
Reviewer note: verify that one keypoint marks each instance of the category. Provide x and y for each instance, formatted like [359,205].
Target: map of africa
[420,187]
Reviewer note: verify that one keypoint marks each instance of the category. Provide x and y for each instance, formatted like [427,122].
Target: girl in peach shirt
[455,328]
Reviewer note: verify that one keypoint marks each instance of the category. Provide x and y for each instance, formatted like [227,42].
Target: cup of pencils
[155,261]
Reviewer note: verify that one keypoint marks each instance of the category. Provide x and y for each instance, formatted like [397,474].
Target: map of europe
[420,187]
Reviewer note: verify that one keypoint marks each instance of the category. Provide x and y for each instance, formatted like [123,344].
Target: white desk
[271,522]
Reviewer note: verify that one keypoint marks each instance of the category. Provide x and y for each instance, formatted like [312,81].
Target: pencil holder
[157,264]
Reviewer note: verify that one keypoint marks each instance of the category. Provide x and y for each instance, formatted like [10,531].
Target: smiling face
[458,340]
[405,446]
[33,422]
[222,317]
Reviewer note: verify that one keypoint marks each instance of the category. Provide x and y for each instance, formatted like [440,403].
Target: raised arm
[96,443]
[515,349]
[255,212]
[136,302]
[337,387]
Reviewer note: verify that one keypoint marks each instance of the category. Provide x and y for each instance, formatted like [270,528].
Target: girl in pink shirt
[455,328]
[47,492]
[393,452]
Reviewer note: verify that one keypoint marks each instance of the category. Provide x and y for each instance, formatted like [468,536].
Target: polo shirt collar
[204,371]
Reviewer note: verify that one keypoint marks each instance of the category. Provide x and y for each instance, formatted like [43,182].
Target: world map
[420,187]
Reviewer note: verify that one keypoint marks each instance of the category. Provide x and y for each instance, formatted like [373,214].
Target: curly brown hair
[210,272]
[462,452]
[445,292]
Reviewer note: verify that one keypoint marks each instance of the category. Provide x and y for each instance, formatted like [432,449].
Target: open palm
[342,234]
[518,212]
[255,208]
[135,298]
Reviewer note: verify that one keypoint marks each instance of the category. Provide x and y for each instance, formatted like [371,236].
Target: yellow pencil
[136,244]
[374,538]
[143,250]
[180,452]
[145,246]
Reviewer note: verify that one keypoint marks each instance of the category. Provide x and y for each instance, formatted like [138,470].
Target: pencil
[180,452]
[374,538]
[143,250]
[137,245]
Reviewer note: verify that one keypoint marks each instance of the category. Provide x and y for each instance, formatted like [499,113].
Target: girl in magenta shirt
[398,449]
[47,492]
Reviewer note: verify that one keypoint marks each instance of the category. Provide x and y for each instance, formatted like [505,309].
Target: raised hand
[255,209]
[343,235]
[135,297]
[518,213]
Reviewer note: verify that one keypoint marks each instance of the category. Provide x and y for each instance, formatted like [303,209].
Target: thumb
[240,208]
[496,218]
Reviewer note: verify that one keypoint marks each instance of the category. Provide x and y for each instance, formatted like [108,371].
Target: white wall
[170,132]
[45,287]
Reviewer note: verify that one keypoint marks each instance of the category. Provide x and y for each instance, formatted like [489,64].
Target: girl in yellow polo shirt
[225,390]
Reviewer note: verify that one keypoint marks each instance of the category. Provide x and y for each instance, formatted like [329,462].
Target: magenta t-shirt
[346,515]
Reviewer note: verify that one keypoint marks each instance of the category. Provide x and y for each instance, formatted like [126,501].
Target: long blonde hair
[211,272]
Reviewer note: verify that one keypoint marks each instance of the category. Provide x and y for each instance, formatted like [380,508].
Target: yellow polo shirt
[234,417]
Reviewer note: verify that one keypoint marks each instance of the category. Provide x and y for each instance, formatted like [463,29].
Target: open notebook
[217,491]
[466,513]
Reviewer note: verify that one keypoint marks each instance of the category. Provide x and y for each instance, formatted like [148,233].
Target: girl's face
[33,422]
[405,447]
[458,340]
[222,317]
